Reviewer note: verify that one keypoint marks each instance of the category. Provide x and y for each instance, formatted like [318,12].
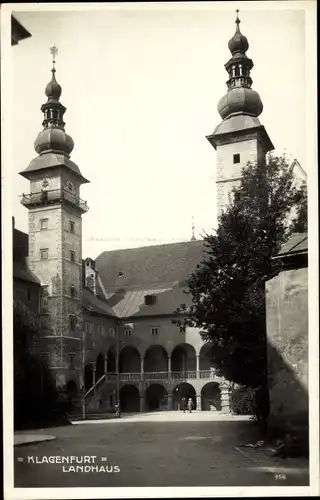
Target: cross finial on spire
[54,52]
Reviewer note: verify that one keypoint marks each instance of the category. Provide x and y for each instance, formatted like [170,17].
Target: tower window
[72,323]
[72,291]
[154,330]
[236,158]
[128,332]
[72,256]
[44,297]
[43,224]
[182,329]
[28,293]
[88,327]
[100,329]
[44,252]
[71,360]
[112,332]
[71,226]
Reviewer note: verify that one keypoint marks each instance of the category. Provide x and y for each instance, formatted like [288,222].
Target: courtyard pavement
[155,449]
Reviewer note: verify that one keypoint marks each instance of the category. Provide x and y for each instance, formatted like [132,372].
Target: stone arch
[111,361]
[88,376]
[183,358]
[156,397]
[99,366]
[211,397]
[206,357]
[156,359]
[183,390]
[129,360]
[129,398]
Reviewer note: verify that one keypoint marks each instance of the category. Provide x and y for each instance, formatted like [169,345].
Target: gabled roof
[152,267]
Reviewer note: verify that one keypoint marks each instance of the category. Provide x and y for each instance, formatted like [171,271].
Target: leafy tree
[227,290]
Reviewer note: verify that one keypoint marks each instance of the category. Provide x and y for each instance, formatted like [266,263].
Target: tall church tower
[55,241]
[240,138]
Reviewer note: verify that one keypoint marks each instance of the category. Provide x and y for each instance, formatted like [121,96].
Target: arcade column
[169,402]
[198,403]
[142,406]
[225,399]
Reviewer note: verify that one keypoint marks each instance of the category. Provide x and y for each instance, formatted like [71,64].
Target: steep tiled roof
[161,270]
[297,243]
[157,266]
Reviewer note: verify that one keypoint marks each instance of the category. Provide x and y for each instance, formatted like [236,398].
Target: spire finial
[54,52]
[237,21]
[193,238]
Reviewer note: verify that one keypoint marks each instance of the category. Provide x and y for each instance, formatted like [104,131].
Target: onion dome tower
[240,137]
[53,144]
[55,241]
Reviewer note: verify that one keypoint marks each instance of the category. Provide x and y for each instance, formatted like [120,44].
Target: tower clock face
[69,186]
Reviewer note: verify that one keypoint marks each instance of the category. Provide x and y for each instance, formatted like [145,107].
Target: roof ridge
[151,246]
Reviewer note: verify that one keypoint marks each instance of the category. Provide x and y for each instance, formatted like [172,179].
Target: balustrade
[161,376]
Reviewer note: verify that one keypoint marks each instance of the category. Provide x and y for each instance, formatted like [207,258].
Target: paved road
[165,450]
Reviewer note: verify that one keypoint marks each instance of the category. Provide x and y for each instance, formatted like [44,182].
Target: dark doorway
[186,391]
[99,367]
[211,397]
[156,397]
[129,399]
[111,362]
[88,376]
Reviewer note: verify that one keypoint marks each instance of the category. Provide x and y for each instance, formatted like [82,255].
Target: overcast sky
[141,87]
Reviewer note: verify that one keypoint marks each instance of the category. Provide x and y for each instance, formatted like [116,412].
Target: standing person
[190,405]
[117,408]
[183,404]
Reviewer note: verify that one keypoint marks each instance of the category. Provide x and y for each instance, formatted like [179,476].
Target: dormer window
[149,300]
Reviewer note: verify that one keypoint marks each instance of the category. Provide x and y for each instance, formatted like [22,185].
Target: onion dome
[53,89]
[53,137]
[240,98]
[238,43]
[53,140]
